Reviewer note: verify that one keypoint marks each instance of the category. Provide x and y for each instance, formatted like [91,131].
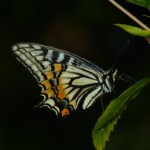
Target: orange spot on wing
[61,94]
[46,83]
[49,74]
[60,87]
[57,67]
[49,92]
[65,112]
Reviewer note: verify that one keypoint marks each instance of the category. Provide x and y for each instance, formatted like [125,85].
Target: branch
[129,15]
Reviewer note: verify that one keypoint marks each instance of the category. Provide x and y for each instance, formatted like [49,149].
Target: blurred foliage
[143,3]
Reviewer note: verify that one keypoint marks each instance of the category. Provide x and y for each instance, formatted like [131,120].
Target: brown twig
[129,15]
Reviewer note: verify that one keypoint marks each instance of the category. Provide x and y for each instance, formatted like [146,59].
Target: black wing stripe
[90,97]
[80,71]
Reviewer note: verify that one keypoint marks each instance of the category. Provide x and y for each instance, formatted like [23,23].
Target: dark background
[85,28]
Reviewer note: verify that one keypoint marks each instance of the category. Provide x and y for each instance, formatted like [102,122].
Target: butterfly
[66,79]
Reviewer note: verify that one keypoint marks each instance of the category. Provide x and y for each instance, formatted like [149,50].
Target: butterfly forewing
[66,79]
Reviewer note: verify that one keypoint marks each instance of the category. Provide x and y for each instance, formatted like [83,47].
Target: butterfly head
[111,75]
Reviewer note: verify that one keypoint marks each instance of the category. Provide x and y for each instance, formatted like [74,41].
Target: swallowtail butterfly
[67,80]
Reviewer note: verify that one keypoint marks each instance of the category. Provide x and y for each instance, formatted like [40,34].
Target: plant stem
[129,15]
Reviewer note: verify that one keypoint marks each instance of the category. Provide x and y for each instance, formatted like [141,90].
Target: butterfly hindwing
[66,87]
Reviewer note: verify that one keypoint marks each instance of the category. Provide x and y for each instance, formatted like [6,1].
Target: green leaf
[143,3]
[108,119]
[134,30]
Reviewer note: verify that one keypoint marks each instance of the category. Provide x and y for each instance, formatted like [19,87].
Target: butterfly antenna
[118,54]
